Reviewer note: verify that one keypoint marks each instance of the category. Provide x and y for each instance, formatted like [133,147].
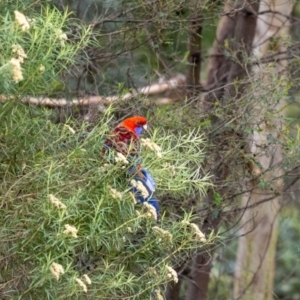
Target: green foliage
[34,49]
[135,40]
[53,177]
[286,277]
[217,198]
[67,215]
[182,158]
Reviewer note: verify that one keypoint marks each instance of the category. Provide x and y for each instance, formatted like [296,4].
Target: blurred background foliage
[136,42]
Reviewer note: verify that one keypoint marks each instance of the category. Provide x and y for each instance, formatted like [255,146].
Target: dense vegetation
[70,227]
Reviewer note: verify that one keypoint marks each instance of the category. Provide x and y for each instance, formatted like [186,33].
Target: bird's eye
[138,123]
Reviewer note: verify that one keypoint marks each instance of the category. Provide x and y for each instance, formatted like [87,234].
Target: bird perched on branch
[124,141]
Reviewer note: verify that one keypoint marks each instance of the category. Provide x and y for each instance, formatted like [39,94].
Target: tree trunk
[202,262]
[221,72]
[235,34]
[192,87]
[255,263]
[194,48]
[219,63]
[173,291]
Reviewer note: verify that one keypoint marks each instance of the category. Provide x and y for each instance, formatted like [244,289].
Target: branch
[175,83]
[150,90]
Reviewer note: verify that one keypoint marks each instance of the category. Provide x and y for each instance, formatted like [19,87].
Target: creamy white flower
[121,158]
[87,279]
[62,36]
[16,69]
[56,270]
[105,167]
[140,187]
[158,295]
[81,284]
[133,198]
[21,20]
[172,274]
[185,222]
[70,230]
[19,51]
[151,212]
[70,128]
[199,234]
[164,234]
[42,68]
[153,146]
[115,194]
[56,202]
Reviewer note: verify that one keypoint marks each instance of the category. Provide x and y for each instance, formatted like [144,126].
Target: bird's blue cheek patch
[138,130]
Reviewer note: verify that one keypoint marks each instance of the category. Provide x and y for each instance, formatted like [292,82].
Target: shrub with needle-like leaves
[69,222]
[65,215]
[34,48]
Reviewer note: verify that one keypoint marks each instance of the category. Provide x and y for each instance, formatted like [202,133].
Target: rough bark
[239,24]
[244,32]
[192,86]
[255,263]
[202,262]
[219,63]
[235,35]
[194,48]
[173,291]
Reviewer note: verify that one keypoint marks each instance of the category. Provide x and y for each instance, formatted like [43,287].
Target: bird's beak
[145,126]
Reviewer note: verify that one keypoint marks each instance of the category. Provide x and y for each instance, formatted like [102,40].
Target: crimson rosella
[125,139]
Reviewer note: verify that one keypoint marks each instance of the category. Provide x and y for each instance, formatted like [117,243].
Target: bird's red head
[135,124]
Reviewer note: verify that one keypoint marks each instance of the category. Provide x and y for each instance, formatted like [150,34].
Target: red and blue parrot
[125,139]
